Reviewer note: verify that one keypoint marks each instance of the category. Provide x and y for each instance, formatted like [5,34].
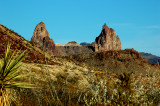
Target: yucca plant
[10,73]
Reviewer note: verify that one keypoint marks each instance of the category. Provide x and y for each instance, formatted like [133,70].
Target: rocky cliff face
[42,40]
[107,40]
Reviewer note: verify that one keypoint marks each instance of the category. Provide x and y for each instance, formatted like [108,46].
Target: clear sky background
[136,22]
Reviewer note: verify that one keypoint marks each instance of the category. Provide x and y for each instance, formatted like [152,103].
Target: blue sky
[136,22]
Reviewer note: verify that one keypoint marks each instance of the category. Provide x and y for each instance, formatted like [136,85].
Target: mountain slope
[20,44]
[151,58]
[116,62]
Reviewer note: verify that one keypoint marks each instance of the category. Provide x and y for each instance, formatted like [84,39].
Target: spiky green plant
[10,73]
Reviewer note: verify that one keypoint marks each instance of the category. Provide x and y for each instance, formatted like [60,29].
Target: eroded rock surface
[107,40]
[42,40]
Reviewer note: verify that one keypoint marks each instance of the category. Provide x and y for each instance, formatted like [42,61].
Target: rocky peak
[41,38]
[39,34]
[107,40]
[105,26]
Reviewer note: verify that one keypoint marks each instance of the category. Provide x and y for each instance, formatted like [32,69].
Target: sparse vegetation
[21,38]
[108,78]
[28,44]
[7,33]
[61,85]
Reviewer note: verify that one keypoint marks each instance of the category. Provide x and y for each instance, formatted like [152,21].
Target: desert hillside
[35,54]
[117,62]
[112,77]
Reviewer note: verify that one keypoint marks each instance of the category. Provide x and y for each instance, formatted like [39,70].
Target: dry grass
[69,84]
[93,79]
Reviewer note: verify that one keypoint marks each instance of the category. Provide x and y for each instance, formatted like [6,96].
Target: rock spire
[107,40]
[42,40]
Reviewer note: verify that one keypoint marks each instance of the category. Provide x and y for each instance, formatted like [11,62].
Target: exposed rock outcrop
[42,40]
[107,40]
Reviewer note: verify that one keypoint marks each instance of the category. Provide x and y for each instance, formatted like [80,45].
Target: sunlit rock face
[42,40]
[107,40]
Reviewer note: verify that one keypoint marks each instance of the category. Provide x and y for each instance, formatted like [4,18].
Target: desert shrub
[10,76]
[40,61]
[20,38]
[154,96]
[124,91]
[18,46]
[3,31]
[28,44]
[7,33]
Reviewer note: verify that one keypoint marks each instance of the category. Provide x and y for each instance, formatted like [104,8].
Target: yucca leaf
[22,76]
[5,59]
[19,59]
[0,67]
[11,77]
[15,62]
[9,61]
[13,73]
[18,77]
[20,85]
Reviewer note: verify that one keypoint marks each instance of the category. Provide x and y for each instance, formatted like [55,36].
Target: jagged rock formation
[42,40]
[107,40]
[39,34]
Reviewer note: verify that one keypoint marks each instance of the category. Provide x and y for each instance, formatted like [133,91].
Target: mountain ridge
[153,59]
[107,40]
